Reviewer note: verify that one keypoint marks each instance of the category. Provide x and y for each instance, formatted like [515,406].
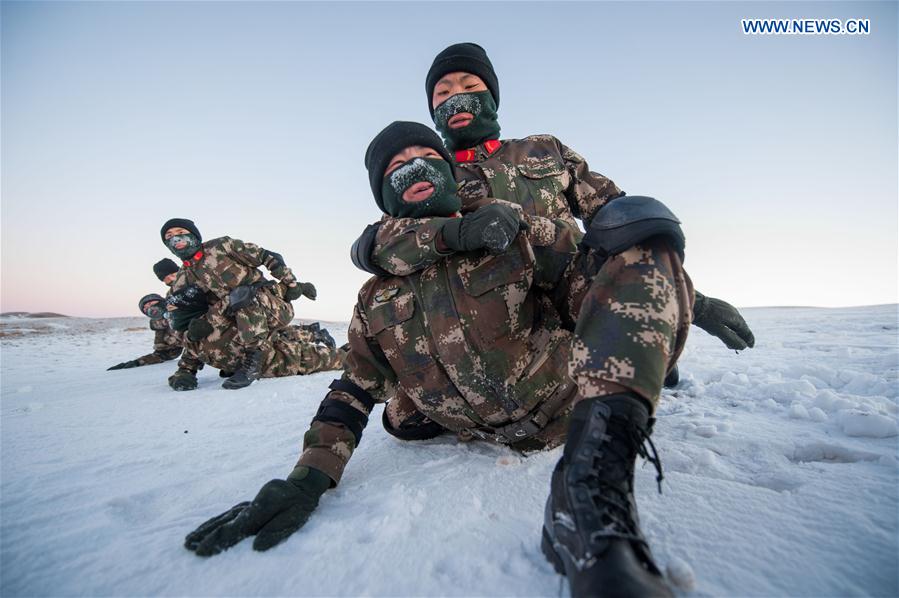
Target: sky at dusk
[778,153]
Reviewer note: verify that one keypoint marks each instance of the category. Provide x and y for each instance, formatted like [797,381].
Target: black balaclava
[154,312]
[469,58]
[194,239]
[483,126]
[163,268]
[388,190]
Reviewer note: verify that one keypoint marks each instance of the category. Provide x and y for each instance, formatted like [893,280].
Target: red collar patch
[193,260]
[470,155]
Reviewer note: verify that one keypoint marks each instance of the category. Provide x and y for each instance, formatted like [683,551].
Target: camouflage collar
[194,259]
[472,155]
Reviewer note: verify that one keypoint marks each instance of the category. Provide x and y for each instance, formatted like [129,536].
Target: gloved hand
[198,329]
[492,227]
[183,380]
[124,365]
[301,289]
[720,318]
[280,508]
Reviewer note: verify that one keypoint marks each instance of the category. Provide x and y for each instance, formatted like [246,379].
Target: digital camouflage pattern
[472,344]
[224,264]
[468,342]
[166,343]
[552,184]
[292,351]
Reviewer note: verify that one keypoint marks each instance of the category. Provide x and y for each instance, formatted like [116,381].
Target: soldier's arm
[403,246]
[254,256]
[587,191]
[343,414]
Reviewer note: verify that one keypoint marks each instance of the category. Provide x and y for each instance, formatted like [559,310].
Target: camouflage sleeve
[406,245]
[254,256]
[588,191]
[328,445]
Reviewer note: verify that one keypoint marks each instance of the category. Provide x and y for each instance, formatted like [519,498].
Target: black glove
[124,365]
[492,227]
[280,508]
[183,380]
[720,318]
[301,289]
[198,329]
[189,303]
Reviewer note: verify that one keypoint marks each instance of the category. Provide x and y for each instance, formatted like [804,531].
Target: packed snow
[780,475]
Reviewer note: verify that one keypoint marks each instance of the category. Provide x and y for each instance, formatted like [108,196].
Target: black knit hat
[396,137]
[182,223]
[147,298]
[164,267]
[467,57]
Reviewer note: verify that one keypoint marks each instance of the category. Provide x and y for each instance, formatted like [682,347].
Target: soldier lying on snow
[167,342]
[538,173]
[234,318]
[473,344]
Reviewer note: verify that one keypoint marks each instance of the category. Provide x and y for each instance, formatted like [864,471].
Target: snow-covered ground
[781,475]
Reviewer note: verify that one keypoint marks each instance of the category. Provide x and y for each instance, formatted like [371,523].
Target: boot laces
[611,495]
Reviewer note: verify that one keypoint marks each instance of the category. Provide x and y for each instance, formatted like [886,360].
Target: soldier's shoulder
[219,244]
[540,139]
[380,289]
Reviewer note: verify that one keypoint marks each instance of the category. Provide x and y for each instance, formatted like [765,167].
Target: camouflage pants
[258,322]
[289,352]
[631,313]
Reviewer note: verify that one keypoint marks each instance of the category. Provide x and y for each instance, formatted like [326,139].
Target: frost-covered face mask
[418,175]
[155,312]
[483,126]
[185,253]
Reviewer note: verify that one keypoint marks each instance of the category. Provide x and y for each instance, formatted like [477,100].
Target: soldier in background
[166,342]
[166,270]
[471,343]
[538,173]
[232,312]
[294,350]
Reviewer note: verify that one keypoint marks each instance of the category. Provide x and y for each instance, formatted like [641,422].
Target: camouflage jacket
[225,263]
[552,184]
[166,343]
[467,339]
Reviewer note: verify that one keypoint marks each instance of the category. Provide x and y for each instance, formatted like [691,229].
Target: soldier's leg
[632,323]
[294,353]
[631,327]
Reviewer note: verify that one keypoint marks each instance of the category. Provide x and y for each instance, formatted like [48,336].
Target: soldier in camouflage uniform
[166,342]
[294,350]
[538,173]
[470,342]
[232,304]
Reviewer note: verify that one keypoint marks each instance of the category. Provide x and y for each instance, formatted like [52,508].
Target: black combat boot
[672,378]
[247,372]
[591,532]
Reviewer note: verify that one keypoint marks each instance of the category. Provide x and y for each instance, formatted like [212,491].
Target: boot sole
[546,546]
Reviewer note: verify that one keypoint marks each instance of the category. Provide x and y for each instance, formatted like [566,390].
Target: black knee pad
[416,427]
[630,220]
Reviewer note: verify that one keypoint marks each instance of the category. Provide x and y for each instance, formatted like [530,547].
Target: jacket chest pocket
[400,334]
[497,294]
[540,186]
[232,276]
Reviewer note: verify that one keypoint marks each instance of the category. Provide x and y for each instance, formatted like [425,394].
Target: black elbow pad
[362,250]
